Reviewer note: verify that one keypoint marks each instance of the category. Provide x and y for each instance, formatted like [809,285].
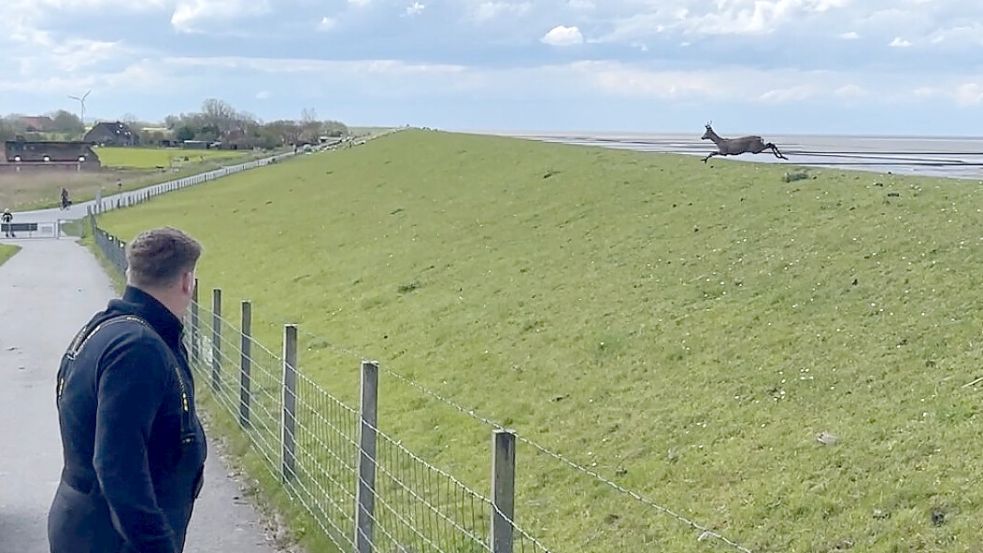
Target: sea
[955,157]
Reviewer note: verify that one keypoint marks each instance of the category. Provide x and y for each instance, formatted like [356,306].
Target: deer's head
[709,132]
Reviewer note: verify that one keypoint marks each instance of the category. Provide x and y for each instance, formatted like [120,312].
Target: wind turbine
[81,100]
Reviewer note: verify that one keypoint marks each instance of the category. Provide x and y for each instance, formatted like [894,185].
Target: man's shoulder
[124,335]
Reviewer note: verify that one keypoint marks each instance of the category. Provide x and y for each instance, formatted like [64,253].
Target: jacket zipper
[185,405]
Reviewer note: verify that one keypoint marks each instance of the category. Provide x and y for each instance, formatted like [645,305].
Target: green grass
[148,158]
[7,251]
[685,330]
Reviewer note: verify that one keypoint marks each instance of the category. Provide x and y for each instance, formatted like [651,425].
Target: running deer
[737,146]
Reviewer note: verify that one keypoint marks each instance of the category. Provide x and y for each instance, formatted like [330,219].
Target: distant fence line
[365,490]
[127,199]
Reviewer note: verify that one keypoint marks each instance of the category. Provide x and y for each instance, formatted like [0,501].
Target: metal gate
[34,229]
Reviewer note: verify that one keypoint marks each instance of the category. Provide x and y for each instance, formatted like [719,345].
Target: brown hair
[157,257]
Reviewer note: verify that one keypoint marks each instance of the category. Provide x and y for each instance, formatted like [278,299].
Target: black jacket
[133,445]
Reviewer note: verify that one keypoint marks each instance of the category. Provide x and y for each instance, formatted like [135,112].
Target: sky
[869,67]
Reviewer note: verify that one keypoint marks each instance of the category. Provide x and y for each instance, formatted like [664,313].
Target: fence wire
[418,507]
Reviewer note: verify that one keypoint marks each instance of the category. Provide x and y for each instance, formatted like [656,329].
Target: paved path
[47,291]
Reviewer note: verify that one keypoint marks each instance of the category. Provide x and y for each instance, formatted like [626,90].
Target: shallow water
[900,155]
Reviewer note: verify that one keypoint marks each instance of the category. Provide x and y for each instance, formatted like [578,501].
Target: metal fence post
[288,419]
[246,363]
[195,328]
[503,491]
[216,338]
[365,495]
[121,257]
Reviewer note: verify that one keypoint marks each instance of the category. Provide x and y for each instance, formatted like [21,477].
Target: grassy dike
[685,330]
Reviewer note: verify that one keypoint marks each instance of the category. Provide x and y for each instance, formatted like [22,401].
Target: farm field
[785,363]
[39,189]
[149,158]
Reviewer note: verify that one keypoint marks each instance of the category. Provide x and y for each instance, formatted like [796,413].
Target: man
[134,449]
[7,218]
[65,202]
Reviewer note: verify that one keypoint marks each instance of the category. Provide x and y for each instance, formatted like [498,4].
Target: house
[41,123]
[17,154]
[112,134]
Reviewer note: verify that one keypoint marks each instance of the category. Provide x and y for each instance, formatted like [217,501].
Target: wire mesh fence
[365,490]
[365,493]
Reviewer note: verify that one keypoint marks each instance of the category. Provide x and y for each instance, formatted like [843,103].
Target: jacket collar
[137,302]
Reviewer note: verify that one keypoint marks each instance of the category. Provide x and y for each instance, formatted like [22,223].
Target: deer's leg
[776,151]
[710,155]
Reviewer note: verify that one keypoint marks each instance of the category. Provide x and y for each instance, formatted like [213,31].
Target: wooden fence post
[288,420]
[365,495]
[503,491]
[246,363]
[195,328]
[216,339]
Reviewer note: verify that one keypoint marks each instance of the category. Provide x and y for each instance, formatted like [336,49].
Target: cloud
[851,91]
[796,93]
[969,94]
[416,8]
[723,17]
[563,36]
[263,95]
[852,35]
[327,23]
[196,15]
[314,66]
[899,42]
[581,5]
[493,10]
[359,3]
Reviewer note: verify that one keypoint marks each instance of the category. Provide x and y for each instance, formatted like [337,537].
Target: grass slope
[148,158]
[7,251]
[686,330]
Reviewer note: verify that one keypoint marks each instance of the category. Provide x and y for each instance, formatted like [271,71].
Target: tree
[185,133]
[219,115]
[67,122]
[335,129]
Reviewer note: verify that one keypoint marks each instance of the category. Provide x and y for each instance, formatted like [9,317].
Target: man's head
[162,263]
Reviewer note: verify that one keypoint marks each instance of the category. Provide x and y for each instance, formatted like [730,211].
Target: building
[112,134]
[22,154]
[41,123]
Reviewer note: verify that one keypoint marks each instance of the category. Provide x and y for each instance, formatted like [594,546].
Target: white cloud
[795,93]
[311,65]
[581,5]
[492,10]
[327,23]
[969,94]
[959,35]
[416,8]
[563,36]
[195,15]
[723,17]
[899,42]
[263,95]
[852,35]
[359,3]
[851,91]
